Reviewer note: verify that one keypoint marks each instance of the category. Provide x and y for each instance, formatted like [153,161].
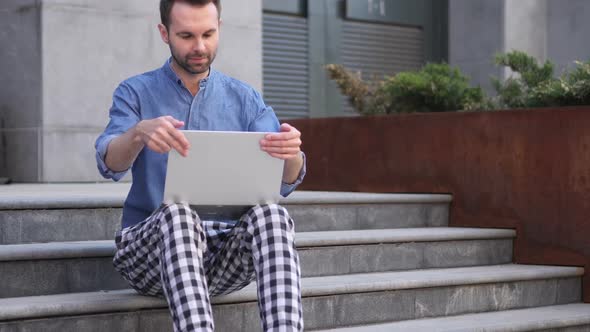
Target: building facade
[61,59]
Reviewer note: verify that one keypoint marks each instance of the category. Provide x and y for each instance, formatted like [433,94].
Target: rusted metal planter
[524,169]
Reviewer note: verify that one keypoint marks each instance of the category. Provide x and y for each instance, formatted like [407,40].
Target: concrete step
[329,302]
[65,267]
[570,318]
[79,212]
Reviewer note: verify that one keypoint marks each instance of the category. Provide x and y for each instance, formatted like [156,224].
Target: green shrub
[439,88]
[535,86]
[435,88]
[358,92]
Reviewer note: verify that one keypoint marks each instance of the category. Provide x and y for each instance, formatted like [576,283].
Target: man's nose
[199,45]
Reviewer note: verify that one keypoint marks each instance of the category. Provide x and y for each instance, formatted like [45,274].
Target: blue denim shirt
[222,103]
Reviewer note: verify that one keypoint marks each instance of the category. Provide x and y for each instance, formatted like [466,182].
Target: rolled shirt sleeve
[124,114]
[101,152]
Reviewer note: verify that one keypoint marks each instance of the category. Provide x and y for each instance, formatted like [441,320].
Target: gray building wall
[61,61]
[88,47]
[553,30]
[526,27]
[476,32]
[568,25]
[20,88]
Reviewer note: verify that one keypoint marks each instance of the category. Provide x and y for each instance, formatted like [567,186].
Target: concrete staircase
[370,262]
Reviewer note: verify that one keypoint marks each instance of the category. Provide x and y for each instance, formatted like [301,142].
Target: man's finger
[276,143]
[282,156]
[174,122]
[171,141]
[282,150]
[294,143]
[158,145]
[287,127]
[287,135]
[178,147]
[179,137]
[177,124]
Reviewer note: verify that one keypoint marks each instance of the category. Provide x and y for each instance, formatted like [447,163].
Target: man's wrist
[293,168]
[136,134]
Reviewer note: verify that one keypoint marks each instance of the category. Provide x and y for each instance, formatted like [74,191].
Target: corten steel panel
[526,169]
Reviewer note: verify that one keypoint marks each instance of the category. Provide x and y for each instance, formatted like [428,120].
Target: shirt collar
[167,68]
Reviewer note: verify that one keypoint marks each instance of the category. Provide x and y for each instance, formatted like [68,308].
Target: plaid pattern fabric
[175,254]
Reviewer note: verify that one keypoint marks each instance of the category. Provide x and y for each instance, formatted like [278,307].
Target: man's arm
[292,169]
[286,145]
[160,135]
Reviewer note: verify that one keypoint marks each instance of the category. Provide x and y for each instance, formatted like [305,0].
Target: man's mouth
[197,59]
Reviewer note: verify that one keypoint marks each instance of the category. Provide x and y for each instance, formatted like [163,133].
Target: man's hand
[162,135]
[284,145]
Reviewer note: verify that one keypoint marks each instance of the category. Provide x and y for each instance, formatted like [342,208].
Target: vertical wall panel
[378,50]
[285,65]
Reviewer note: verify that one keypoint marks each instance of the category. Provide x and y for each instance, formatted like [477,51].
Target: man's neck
[190,81]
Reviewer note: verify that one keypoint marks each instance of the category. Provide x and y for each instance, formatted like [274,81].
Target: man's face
[193,36]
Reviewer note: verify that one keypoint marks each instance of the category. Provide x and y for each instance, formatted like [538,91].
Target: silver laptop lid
[223,169]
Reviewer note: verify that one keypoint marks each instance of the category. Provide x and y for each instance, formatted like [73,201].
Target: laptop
[224,174]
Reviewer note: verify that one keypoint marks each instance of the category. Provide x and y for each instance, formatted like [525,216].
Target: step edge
[60,204]
[116,201]
[580,318]
[368,198]
[57,250]
[104,248]
[109,301]
[450,278]
[405,235]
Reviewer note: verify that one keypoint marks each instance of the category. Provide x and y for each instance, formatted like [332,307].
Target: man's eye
[185,36]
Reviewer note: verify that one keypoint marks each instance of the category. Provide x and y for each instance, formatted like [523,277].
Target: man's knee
[173,215]
[270,216]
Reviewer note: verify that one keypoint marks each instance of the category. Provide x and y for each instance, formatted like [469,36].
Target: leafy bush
[359,92]
[439,88]
[435,88]
[535,86]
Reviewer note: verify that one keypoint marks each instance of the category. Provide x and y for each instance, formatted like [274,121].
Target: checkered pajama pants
[175,254]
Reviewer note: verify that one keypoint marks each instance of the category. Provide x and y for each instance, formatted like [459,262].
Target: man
[166,249]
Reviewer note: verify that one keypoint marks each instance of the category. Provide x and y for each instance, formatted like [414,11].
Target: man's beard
[194,68]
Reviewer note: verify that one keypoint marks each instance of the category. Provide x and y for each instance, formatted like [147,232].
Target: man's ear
[164,33]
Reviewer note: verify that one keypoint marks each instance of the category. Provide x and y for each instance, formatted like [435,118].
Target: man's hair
[166,8]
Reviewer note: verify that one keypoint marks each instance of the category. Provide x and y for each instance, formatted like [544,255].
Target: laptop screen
[223,169]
